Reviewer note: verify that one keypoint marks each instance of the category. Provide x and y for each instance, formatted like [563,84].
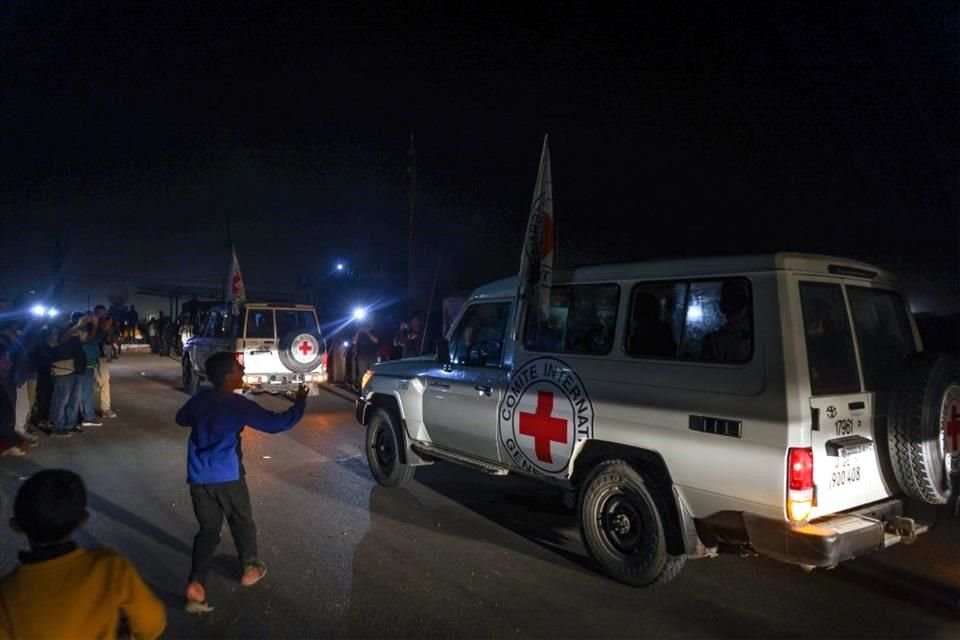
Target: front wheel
[383,450]
[623,526]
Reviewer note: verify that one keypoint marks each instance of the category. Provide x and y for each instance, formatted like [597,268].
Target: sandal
[253,573]
[197,599]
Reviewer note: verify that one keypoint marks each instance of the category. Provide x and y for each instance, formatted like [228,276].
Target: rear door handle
[485,391]
[439,385]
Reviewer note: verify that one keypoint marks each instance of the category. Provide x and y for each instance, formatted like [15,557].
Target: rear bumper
[827,541]
[280,384]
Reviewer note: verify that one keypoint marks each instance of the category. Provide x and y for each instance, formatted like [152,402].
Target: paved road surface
[456,554]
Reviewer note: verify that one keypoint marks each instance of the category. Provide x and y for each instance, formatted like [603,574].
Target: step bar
[431,452]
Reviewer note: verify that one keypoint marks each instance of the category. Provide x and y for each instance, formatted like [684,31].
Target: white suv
[782,402]
[279,345]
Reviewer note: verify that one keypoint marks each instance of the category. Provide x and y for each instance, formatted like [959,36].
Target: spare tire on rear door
[920,410]
[301,350]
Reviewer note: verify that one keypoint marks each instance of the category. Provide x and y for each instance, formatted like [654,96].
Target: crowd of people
[54,375]
[52,505]
[371,344]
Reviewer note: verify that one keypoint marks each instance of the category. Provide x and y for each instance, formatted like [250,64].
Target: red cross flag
[539,243]
[236,292]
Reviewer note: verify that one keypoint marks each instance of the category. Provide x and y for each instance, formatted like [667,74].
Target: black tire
[285,351]
[622,523]
[383,450]
[190,380]
[917,403]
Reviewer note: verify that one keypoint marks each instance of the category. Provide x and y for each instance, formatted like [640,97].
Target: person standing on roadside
[102,372]
[10,442]
[20,371]
[69,364]
[215,472]
[366,350]
[91,338]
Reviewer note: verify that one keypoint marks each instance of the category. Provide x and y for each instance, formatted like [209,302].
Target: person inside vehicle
[732,342]
[649,335]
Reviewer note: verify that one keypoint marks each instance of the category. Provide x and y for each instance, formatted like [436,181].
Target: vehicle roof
[697,267]
[279,305]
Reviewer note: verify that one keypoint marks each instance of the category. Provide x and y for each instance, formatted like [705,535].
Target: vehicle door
[846,463]
[461,398]
[259,342]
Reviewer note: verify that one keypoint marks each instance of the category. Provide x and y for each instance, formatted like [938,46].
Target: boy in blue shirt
[215,469]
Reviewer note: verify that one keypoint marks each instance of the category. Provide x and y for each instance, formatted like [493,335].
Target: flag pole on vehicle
[539,242]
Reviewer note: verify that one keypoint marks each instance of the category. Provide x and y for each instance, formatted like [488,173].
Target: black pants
[211,502]
[44,394]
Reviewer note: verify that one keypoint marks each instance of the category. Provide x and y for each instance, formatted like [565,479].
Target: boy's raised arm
[263,420]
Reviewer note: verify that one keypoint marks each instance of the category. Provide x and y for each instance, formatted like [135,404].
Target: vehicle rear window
[260,324]
[883,331]
[290,320]
[830,354]
[581,319]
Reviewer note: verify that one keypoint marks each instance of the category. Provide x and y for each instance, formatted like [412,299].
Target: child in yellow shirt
[61,590]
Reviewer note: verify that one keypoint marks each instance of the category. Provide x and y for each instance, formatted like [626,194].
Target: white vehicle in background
[279,345]
[781,402]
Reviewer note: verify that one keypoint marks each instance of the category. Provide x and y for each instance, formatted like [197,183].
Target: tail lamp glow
[799,483]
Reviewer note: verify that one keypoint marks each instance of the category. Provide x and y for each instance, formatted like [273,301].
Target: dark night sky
[714,128]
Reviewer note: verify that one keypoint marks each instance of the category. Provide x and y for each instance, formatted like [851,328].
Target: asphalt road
[457,554]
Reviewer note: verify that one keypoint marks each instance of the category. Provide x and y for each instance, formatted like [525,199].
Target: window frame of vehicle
[843,334]
[871,361]
[679,323]
[214,326]
[467,316]
[532,320]
[269,312]
[315,327]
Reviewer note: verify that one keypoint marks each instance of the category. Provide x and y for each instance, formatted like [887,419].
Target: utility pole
[412,201]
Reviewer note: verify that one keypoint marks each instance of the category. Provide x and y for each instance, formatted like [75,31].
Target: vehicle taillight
[240,357]
[799,483]
[326,357]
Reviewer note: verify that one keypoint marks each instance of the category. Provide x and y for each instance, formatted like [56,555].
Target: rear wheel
[923,427]
[383,450]
[622,523]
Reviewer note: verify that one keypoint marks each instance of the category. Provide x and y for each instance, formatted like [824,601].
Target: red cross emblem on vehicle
[305,347]
[953,429]
[542,427]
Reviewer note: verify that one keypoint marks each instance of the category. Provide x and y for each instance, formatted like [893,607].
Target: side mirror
[443,351]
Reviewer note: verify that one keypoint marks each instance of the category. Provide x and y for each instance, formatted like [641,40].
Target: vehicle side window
[702,321]
[214,326]
[260,324]
[719,322]
[830,354]
[580,319]
[883,331]
[478,339]
[656,318]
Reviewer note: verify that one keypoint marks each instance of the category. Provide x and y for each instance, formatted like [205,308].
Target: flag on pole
[539,243]
[236,291]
